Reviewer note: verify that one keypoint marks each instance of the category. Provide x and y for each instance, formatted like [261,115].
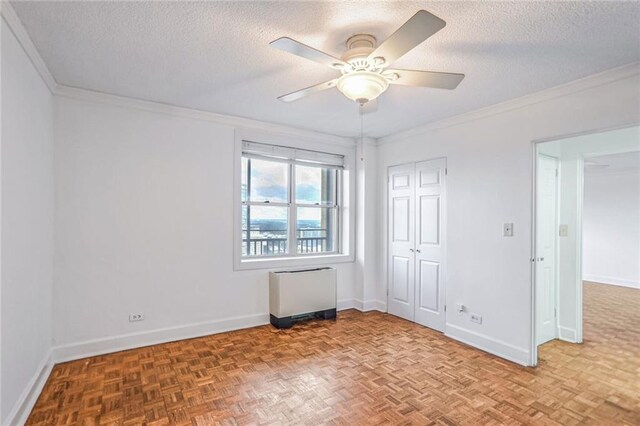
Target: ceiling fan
[364,67]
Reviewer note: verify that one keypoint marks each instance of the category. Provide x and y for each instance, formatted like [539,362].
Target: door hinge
[446,171]
[556,172]
[445,308]
[387,292]
[555,312]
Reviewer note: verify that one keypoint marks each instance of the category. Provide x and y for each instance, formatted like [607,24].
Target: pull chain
[360,108]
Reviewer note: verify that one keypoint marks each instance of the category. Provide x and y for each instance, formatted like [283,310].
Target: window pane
[268,181]
[315,185]
[315,229]
[264,230]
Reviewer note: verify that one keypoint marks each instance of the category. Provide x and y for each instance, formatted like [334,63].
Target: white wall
[365,297]
[489,159]
[27,223]
[611,228]
[144,223]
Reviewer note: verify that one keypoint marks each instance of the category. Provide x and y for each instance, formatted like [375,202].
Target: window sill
[291,262]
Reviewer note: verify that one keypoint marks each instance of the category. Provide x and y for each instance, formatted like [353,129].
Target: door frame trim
[388,230]
[578,295]
[534,153]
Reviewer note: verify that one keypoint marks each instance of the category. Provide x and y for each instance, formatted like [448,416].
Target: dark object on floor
[287,322]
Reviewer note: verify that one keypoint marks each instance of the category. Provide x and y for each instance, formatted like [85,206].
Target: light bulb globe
[362,85]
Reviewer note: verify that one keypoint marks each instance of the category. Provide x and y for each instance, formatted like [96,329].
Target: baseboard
[123,342]
[88,348]
[345,304]
[22,408]
[370,305]
[567,334]
[488,344]
[600,279]
[380,305]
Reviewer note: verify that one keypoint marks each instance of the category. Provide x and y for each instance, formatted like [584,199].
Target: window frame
[292,208]
[344,213]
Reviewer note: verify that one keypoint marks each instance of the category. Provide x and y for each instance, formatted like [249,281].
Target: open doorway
[586,227]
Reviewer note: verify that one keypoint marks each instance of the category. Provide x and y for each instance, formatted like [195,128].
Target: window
[290,201]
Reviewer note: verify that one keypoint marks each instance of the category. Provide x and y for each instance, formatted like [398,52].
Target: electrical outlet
[136,317]
[476,318]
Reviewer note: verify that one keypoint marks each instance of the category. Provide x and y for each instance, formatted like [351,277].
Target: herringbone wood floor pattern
[369,368]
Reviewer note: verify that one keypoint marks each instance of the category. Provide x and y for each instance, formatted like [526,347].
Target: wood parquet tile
[364,368]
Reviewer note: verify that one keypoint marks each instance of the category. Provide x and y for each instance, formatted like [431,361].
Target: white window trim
[346,209]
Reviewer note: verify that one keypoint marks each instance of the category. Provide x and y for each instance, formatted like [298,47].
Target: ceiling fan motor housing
[359,47]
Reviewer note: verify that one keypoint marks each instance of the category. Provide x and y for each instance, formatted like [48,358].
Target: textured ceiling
[215,56]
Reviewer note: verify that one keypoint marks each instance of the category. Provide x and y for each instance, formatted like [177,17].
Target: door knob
[418,251]
[411,250]
[540,259]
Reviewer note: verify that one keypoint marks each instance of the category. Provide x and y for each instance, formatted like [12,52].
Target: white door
[401,241]
[546,239]
[430,243]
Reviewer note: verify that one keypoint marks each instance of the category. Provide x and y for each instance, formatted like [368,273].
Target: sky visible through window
[269,183]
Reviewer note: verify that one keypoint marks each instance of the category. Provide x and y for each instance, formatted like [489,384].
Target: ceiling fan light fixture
[365,65]
[362,86]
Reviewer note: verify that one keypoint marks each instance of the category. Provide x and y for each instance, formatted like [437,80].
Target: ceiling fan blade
[370,107]
[417,29]
[438,80]
[290,45]
[294,96]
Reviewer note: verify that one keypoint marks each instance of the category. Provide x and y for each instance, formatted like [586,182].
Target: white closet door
[430,243]
[401,241]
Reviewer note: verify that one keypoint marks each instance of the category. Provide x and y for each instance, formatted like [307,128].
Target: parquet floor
[369,368]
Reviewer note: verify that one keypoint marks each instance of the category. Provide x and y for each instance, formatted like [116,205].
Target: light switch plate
[508,230]
[564,231]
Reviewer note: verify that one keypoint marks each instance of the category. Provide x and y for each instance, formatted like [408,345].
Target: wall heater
[295,295]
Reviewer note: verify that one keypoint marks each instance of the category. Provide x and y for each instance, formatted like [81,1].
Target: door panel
[545,261]
[430,223]
[401,219]
[429,177]
[400,277]
[429,285]
[401,299]
[401,181]
[430,247]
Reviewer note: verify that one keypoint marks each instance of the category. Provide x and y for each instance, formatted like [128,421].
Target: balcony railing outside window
[309,240]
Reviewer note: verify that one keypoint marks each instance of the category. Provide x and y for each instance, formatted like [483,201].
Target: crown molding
[239,122]
[589,82]
[18,30]
[21,34]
